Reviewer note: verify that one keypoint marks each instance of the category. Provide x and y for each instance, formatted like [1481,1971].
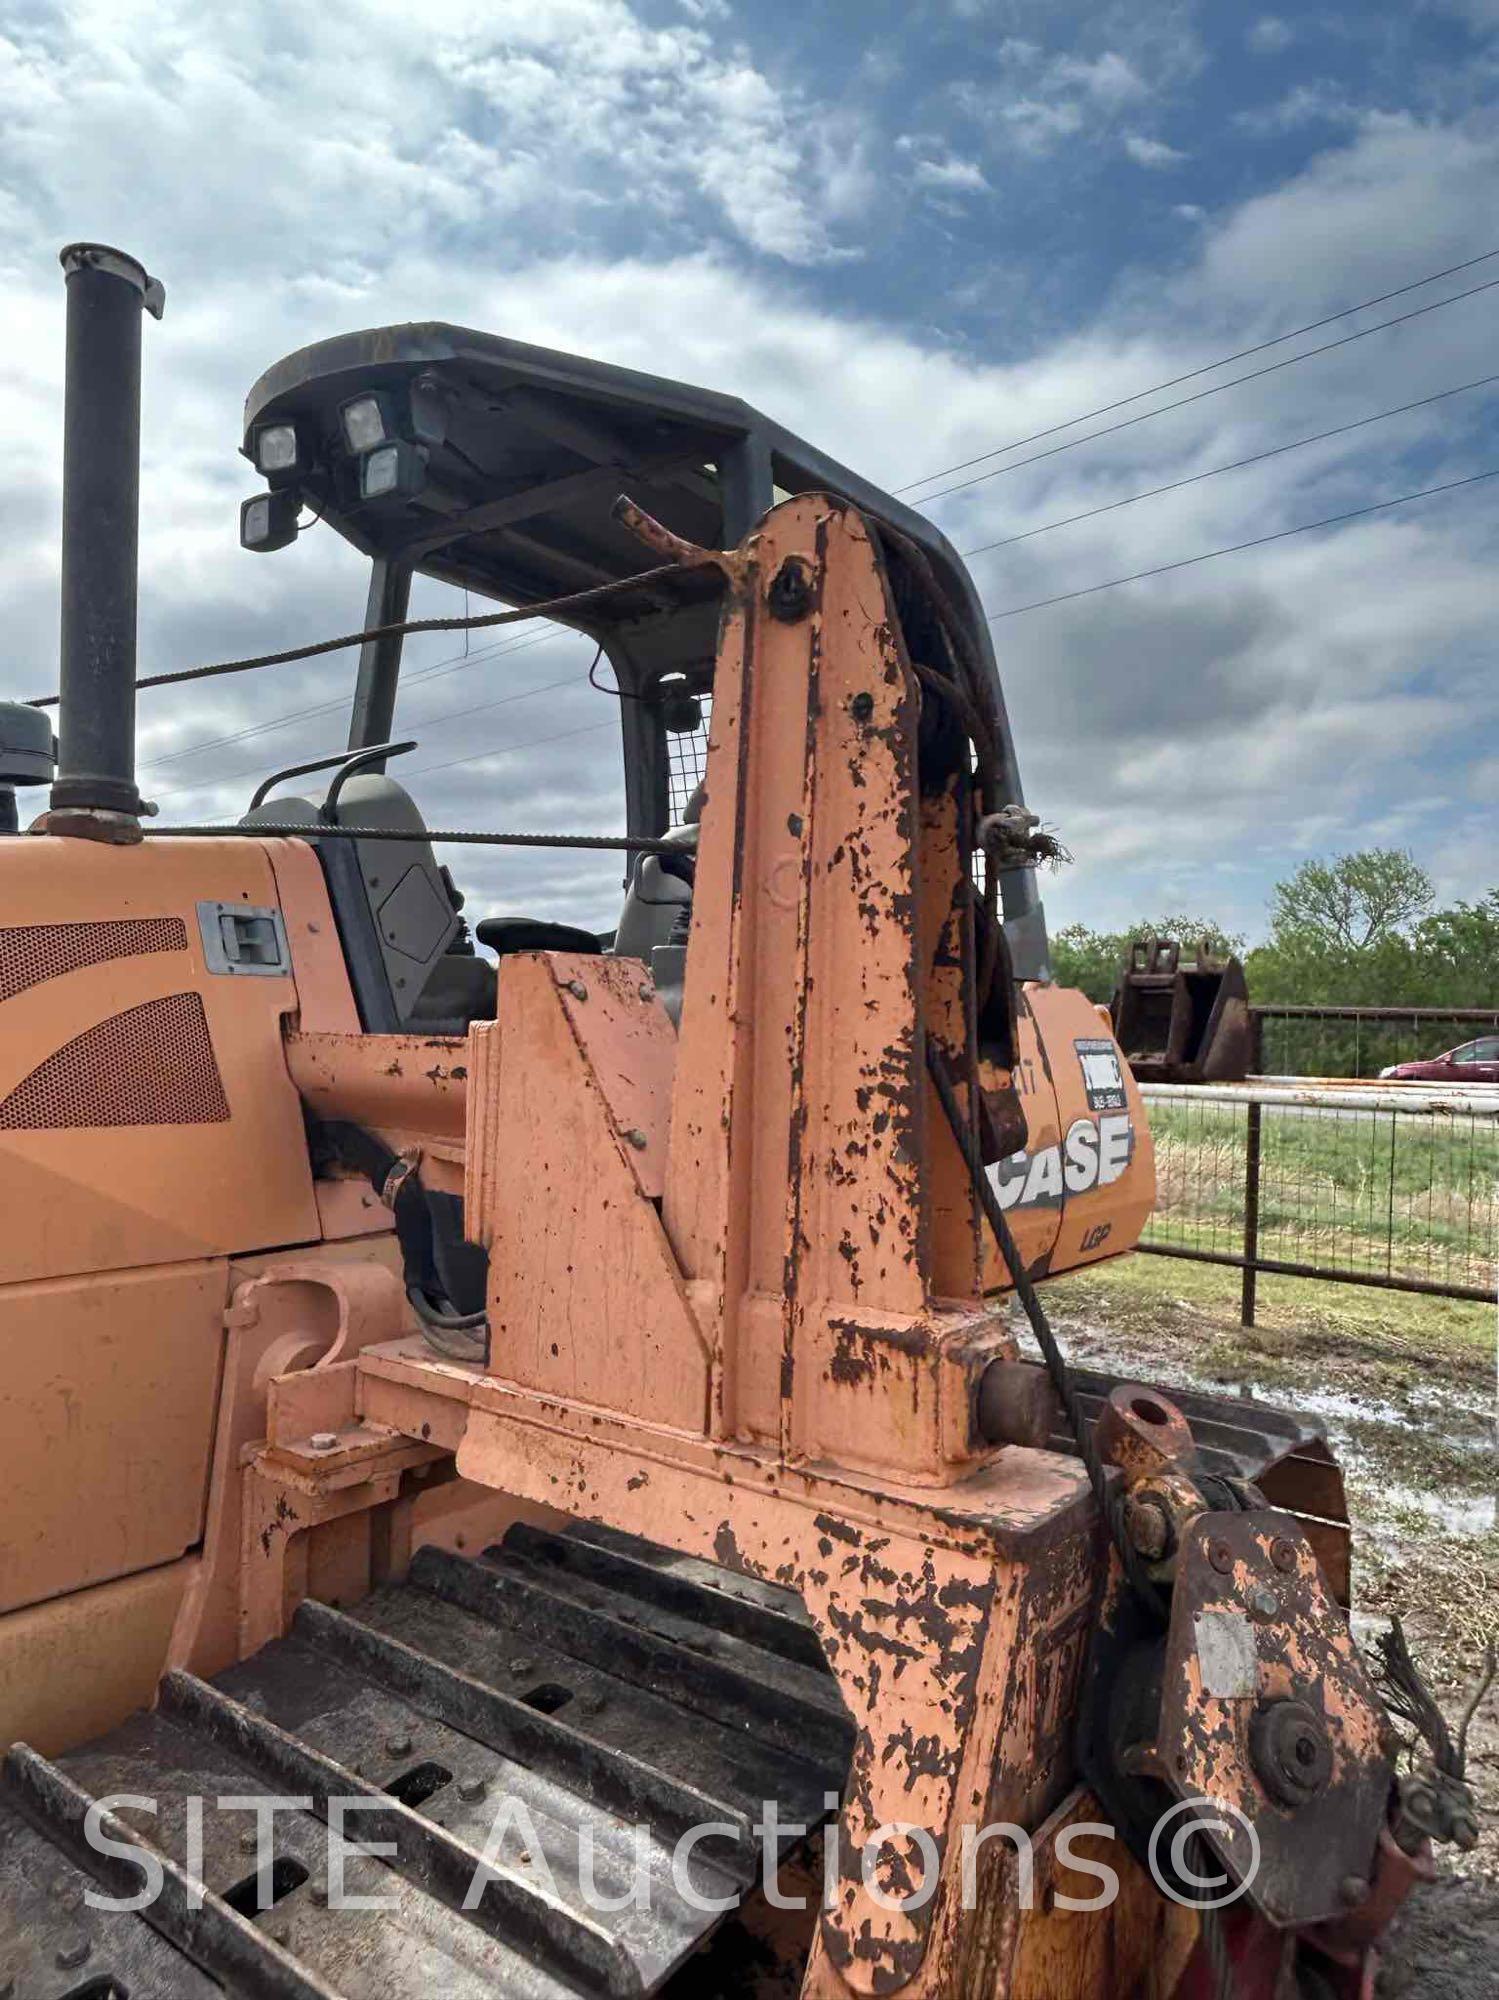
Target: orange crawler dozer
[522,1477]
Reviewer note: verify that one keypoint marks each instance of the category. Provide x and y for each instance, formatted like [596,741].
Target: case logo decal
[1093,1154]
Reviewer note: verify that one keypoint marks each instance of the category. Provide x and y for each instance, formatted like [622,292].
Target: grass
[1300,1320]
[1360,1190]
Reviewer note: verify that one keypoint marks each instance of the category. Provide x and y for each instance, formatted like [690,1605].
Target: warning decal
[1103,1078]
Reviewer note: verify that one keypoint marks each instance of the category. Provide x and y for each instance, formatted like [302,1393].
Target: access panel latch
[240,939]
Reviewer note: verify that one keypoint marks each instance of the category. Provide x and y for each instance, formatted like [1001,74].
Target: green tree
[1353,903]
[1090,960]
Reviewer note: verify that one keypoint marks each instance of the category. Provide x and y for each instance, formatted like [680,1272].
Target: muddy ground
[1406,1389]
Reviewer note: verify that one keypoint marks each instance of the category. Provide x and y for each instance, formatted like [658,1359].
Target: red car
[1473,1062]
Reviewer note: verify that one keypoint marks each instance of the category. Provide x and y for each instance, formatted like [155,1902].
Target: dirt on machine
[537,1460]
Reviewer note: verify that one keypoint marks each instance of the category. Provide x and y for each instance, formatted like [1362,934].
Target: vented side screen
[30,953]
[152,1065]
[686,762]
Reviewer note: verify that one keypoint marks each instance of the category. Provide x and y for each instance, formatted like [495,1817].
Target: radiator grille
[152,1065]
[30,953]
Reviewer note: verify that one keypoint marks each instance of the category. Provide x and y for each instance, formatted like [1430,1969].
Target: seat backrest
[390,899]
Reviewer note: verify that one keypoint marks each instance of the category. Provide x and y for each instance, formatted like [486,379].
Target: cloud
[1042,99]
[470,114]
[1151,152]
[575,180]
[1304,104]
[1037,126]
[1269,36]
[1399,186]
[1110,79]
[953,175]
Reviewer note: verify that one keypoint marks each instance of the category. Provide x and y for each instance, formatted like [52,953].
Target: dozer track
[565,1689]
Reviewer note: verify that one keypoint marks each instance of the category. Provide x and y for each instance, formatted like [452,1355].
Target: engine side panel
[146,1114]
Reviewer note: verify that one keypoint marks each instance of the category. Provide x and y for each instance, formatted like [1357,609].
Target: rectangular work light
[269,521]
[364,423]
[276,448]
[392,471]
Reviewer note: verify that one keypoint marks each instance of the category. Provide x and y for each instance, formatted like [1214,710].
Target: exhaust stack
[100,525]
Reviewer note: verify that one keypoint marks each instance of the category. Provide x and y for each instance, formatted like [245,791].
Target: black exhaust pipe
[100,527]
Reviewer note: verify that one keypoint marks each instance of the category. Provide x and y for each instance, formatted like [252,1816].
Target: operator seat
[653,924]
[406,946]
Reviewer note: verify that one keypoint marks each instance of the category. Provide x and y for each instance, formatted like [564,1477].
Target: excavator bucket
[522,1476]
[1181,1023]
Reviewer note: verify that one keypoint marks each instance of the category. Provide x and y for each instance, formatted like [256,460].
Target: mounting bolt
[861,707]
[324,1440]
[249,1840]
[1283,1554]
[1290,1751]
[1354,1890]
[1148,1526]
[318,1893]
[637,1138]
[1264,1603]
[398,1746]
[646,992]
[471,1790]
[72,1953]
[1221,1556]
[577,989]
[790,594]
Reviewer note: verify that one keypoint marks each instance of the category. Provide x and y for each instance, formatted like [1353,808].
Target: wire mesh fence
[686,761]
[1359,1041]
[1390,1188]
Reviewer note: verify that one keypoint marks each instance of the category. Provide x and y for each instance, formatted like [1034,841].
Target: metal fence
[1358,1041]
[1395,1187]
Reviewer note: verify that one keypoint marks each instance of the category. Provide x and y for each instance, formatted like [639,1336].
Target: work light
[364,423]
[276,448]
[392,471]
[269,521]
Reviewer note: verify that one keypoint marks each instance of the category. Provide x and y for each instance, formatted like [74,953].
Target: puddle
[1378,1441]
[1459,1514]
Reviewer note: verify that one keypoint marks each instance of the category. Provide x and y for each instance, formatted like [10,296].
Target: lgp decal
[1103,1079]
[1091,1155]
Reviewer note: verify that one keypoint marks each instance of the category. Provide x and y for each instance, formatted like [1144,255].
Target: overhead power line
[1235,548]
[1200,395]
[458,662]
[1191,375]
[1235,465]
[508,749]
[423,722]
[449,663]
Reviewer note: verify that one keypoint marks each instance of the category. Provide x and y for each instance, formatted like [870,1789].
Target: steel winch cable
[546,608]
[628,843]
[1108,1495]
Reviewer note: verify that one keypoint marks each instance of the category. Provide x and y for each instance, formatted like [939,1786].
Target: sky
[914,233]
